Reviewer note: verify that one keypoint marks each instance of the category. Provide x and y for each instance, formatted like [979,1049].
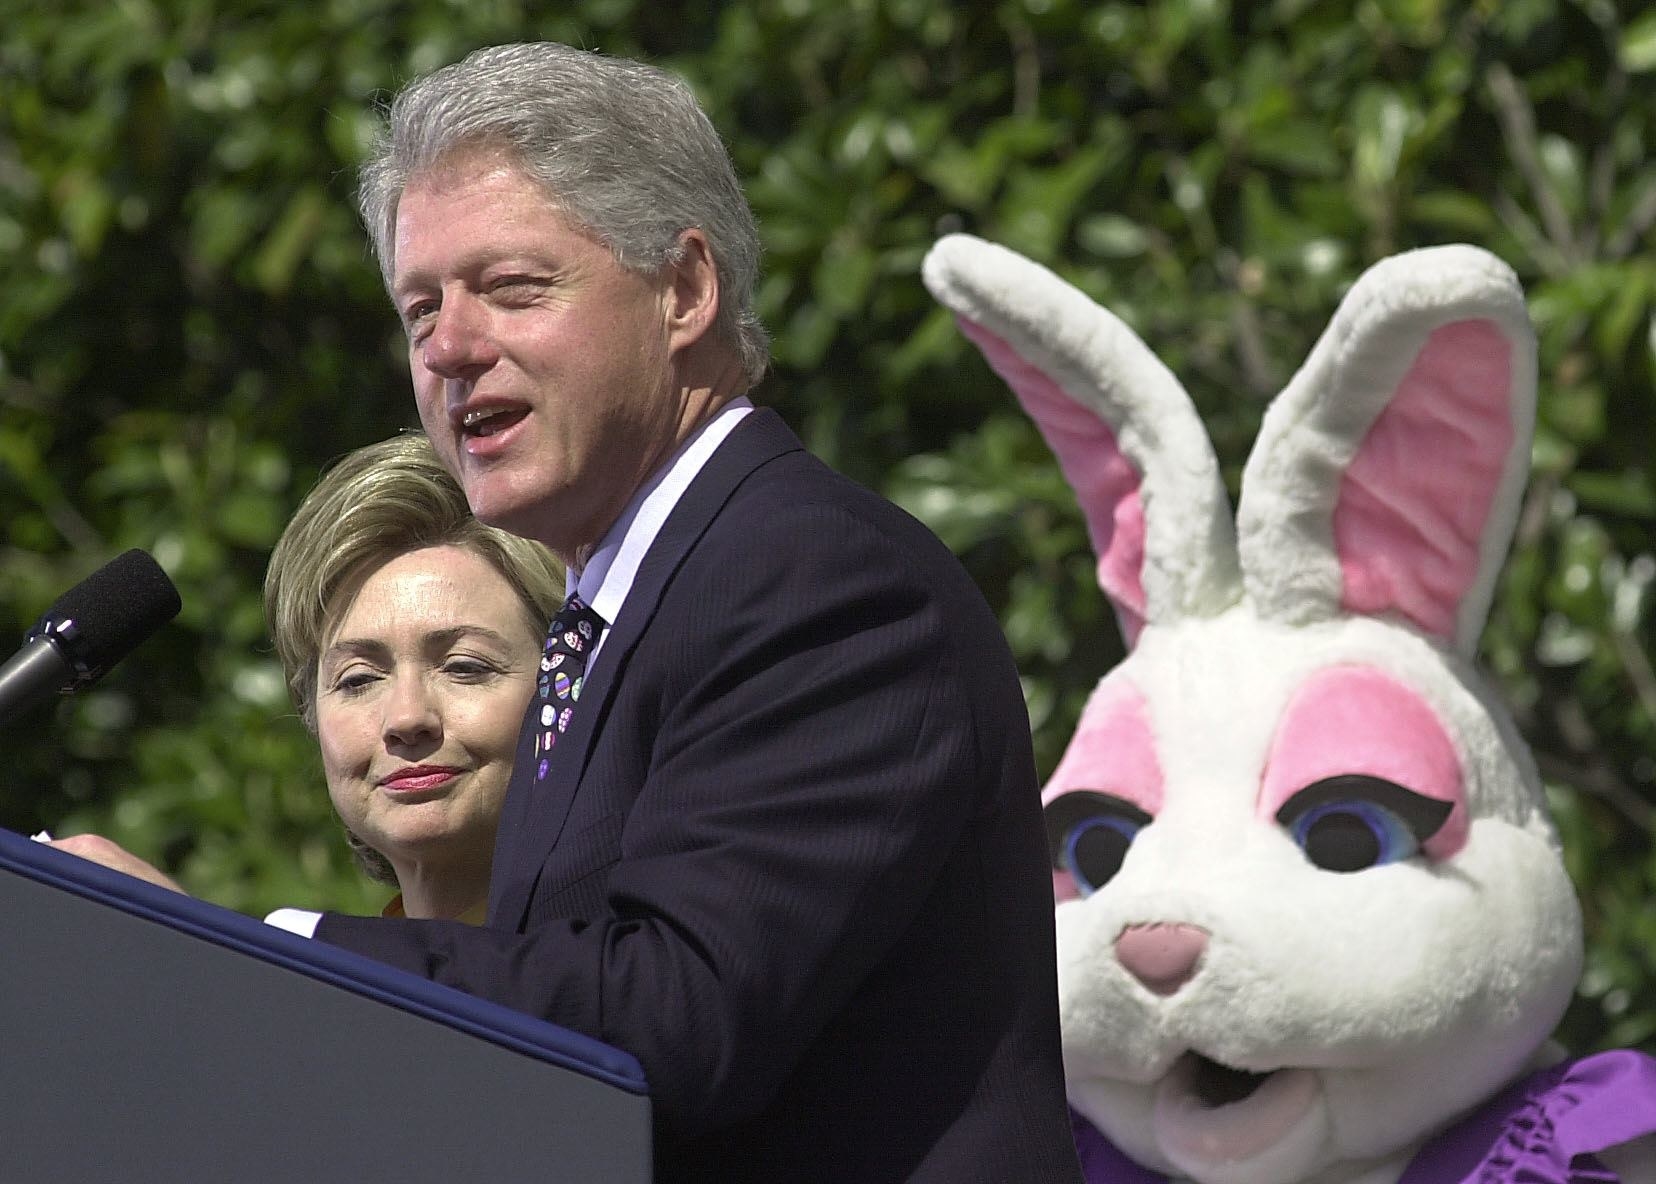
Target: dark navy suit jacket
[789,854]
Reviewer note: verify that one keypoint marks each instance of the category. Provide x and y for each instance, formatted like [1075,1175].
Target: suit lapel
[532,818]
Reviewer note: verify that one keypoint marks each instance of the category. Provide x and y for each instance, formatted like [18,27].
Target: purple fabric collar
[1544,1129]
[1102,1162]
[1548,1127]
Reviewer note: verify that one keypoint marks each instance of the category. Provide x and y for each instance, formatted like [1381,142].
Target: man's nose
[460,346]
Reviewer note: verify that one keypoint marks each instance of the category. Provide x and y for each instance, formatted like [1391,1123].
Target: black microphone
[87,630]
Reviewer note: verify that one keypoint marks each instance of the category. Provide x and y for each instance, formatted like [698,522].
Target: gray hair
[622,148]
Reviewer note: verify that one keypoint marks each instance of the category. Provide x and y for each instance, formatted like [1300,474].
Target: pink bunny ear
[1124,431]
[1387,476]
[1106,483]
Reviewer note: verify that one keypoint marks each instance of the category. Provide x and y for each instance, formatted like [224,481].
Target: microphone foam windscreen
[117,606]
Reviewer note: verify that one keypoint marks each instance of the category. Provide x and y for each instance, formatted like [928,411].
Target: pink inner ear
[1113,751]
[1415,500]
[1354,719]
[1105,482]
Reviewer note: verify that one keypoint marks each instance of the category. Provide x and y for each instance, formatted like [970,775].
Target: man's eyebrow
[408,283]
[469,264]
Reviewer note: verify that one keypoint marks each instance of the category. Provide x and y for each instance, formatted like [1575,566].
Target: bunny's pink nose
[1163,957]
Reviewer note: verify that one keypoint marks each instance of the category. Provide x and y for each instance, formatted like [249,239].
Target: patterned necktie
[575,630]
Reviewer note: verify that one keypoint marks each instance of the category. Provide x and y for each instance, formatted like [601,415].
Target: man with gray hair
[773,827]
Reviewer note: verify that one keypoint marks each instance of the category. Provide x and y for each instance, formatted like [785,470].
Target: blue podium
[147,1037]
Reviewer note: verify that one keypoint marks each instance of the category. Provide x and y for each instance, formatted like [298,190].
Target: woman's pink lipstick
[417,777]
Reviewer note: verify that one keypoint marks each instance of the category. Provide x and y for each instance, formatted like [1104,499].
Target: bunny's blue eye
[1352,822]
[1351,836]
[1088,834]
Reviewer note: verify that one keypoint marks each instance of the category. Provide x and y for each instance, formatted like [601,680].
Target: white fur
[1313,428]
[1412,991]
[1190,546]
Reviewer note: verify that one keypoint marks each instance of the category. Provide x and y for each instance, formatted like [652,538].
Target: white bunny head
[1310,906]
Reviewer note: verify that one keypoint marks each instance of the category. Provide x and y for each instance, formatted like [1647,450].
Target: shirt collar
[605,580]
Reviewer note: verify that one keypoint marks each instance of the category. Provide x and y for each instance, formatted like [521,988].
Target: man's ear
[692,290]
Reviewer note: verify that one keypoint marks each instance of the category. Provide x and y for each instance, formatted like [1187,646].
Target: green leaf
[844,275]
[1455,213]
[1299,146]
[289,240]
[1381,119]
[1041,205]
[1112,236]
[1637,51]
[1631,493]
[1630,307]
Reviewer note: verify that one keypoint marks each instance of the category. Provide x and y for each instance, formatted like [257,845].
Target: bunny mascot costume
[1313,923]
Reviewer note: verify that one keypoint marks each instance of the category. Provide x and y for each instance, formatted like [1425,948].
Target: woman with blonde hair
[411,635]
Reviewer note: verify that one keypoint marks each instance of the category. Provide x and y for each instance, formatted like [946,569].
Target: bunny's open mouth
[1216,1085]
[1206,1111]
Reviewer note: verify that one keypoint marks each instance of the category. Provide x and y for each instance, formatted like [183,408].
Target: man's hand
[112,855]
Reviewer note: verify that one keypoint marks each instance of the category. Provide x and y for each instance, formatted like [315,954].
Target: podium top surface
[319,960]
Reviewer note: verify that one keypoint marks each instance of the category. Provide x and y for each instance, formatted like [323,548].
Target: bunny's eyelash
[1353,822]
[1343,824]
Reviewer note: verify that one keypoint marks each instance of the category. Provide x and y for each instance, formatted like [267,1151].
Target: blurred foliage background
[190,327]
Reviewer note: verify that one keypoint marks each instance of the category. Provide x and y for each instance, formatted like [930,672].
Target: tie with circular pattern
[575,630]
